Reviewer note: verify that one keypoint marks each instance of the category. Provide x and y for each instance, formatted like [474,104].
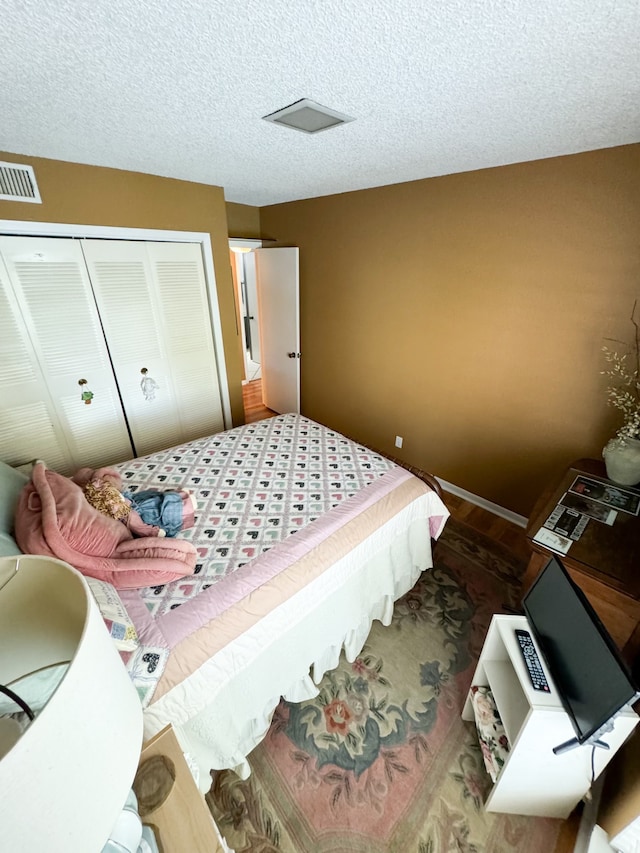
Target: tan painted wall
[90,195]
[243,220]
[466,313]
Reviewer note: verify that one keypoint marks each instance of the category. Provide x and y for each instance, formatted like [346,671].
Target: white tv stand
[534,781]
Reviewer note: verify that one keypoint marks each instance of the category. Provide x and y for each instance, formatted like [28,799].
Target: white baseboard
[496,509]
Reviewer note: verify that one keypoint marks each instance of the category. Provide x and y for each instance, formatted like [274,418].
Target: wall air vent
[307,116]
[18,183]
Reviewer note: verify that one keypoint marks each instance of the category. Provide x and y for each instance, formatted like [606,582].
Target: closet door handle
[148,385]
[86,396]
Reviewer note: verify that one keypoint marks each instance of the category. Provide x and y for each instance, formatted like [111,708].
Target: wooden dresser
[183,823]
[604,562]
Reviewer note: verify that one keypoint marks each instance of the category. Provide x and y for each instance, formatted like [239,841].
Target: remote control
[532,661]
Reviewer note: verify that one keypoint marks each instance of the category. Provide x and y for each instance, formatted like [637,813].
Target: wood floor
[499,529]
[254,408]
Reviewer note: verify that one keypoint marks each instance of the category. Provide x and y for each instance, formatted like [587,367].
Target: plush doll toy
[101,489]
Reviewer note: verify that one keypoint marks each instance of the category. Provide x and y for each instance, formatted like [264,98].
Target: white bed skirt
[220,719]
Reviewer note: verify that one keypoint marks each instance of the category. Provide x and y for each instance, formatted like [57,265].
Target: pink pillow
[54,508]
[53,518]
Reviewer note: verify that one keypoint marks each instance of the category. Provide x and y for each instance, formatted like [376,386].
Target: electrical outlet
[399,441]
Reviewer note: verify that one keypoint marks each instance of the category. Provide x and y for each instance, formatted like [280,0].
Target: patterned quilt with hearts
[254,486]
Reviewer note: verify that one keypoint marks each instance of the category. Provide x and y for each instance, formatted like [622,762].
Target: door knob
[291,354]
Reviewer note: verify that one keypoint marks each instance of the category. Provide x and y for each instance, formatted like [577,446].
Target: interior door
[154,309]
[29,425]
[52,339]
[278,285]
[123,285]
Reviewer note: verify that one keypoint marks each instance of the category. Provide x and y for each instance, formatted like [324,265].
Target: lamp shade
[65,779]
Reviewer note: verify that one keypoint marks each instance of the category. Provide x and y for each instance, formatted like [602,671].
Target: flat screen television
[584,662]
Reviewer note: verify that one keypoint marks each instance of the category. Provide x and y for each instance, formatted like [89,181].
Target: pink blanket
[53,518]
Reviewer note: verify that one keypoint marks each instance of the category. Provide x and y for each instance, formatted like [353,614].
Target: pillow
[8,546]
[35,689]
[11,484]
[54,518]
[26,468]
[115,615]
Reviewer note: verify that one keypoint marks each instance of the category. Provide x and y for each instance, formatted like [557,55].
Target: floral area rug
[380,761]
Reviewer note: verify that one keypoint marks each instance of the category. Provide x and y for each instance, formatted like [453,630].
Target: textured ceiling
[436,86]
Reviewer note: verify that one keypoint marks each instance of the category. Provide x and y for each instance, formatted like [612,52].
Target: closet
[108,314]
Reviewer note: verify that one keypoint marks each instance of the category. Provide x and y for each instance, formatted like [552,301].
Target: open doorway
[266,289]
[245,290]
[244,276]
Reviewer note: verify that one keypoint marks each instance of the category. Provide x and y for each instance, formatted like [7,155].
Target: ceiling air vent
[307,116]
[18,183]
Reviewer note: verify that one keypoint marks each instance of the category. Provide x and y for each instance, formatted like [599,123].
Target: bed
[303,537]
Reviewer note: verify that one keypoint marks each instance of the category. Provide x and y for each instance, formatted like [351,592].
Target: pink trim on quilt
[177,624]
[227,628]
[148,631]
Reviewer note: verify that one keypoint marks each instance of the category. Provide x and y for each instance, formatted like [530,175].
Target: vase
[622,461]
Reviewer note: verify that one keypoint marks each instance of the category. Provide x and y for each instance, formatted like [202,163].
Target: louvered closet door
[29,426]
[182,293]
[154,309]
[53,325]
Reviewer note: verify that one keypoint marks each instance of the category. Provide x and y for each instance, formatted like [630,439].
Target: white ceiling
[178,87]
